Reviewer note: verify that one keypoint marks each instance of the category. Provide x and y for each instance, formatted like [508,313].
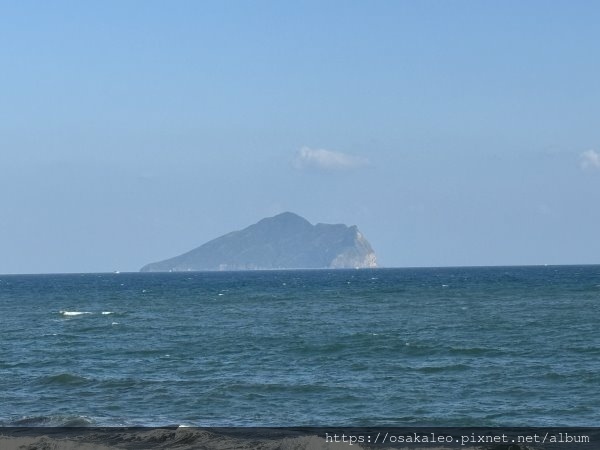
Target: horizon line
[475,266]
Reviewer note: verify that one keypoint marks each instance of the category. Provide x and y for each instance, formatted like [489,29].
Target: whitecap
[74,313]
[107,312]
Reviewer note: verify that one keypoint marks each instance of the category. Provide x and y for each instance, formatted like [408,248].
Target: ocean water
[502,346]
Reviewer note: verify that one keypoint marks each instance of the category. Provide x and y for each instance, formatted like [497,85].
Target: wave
[441,368]
[64,379]
[183,438]
[586,349]
[81,313]
[475,351]
[187,438]
[53,421]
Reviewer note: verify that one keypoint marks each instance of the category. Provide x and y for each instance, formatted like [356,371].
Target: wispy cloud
[589,159]
[308,158]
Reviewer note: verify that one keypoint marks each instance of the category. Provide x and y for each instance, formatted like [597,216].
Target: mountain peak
[286,217]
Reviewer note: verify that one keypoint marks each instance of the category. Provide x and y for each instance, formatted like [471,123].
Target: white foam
[107,312]
[74,313]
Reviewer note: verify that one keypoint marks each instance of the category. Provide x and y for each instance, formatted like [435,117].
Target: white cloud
[590,159]
[308,158]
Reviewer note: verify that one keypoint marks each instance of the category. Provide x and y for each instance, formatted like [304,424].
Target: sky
[451,133]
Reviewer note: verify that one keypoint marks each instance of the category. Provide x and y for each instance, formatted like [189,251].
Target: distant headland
[285,241]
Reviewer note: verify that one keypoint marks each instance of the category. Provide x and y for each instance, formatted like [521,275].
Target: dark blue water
[453,346]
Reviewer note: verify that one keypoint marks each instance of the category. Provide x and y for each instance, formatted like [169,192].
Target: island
[285,241]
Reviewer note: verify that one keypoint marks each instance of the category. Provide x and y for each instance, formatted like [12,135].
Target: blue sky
[451,133]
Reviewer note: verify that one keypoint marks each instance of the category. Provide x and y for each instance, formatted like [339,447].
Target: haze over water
[450,346]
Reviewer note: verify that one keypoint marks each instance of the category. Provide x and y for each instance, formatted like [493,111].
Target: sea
[473,346]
